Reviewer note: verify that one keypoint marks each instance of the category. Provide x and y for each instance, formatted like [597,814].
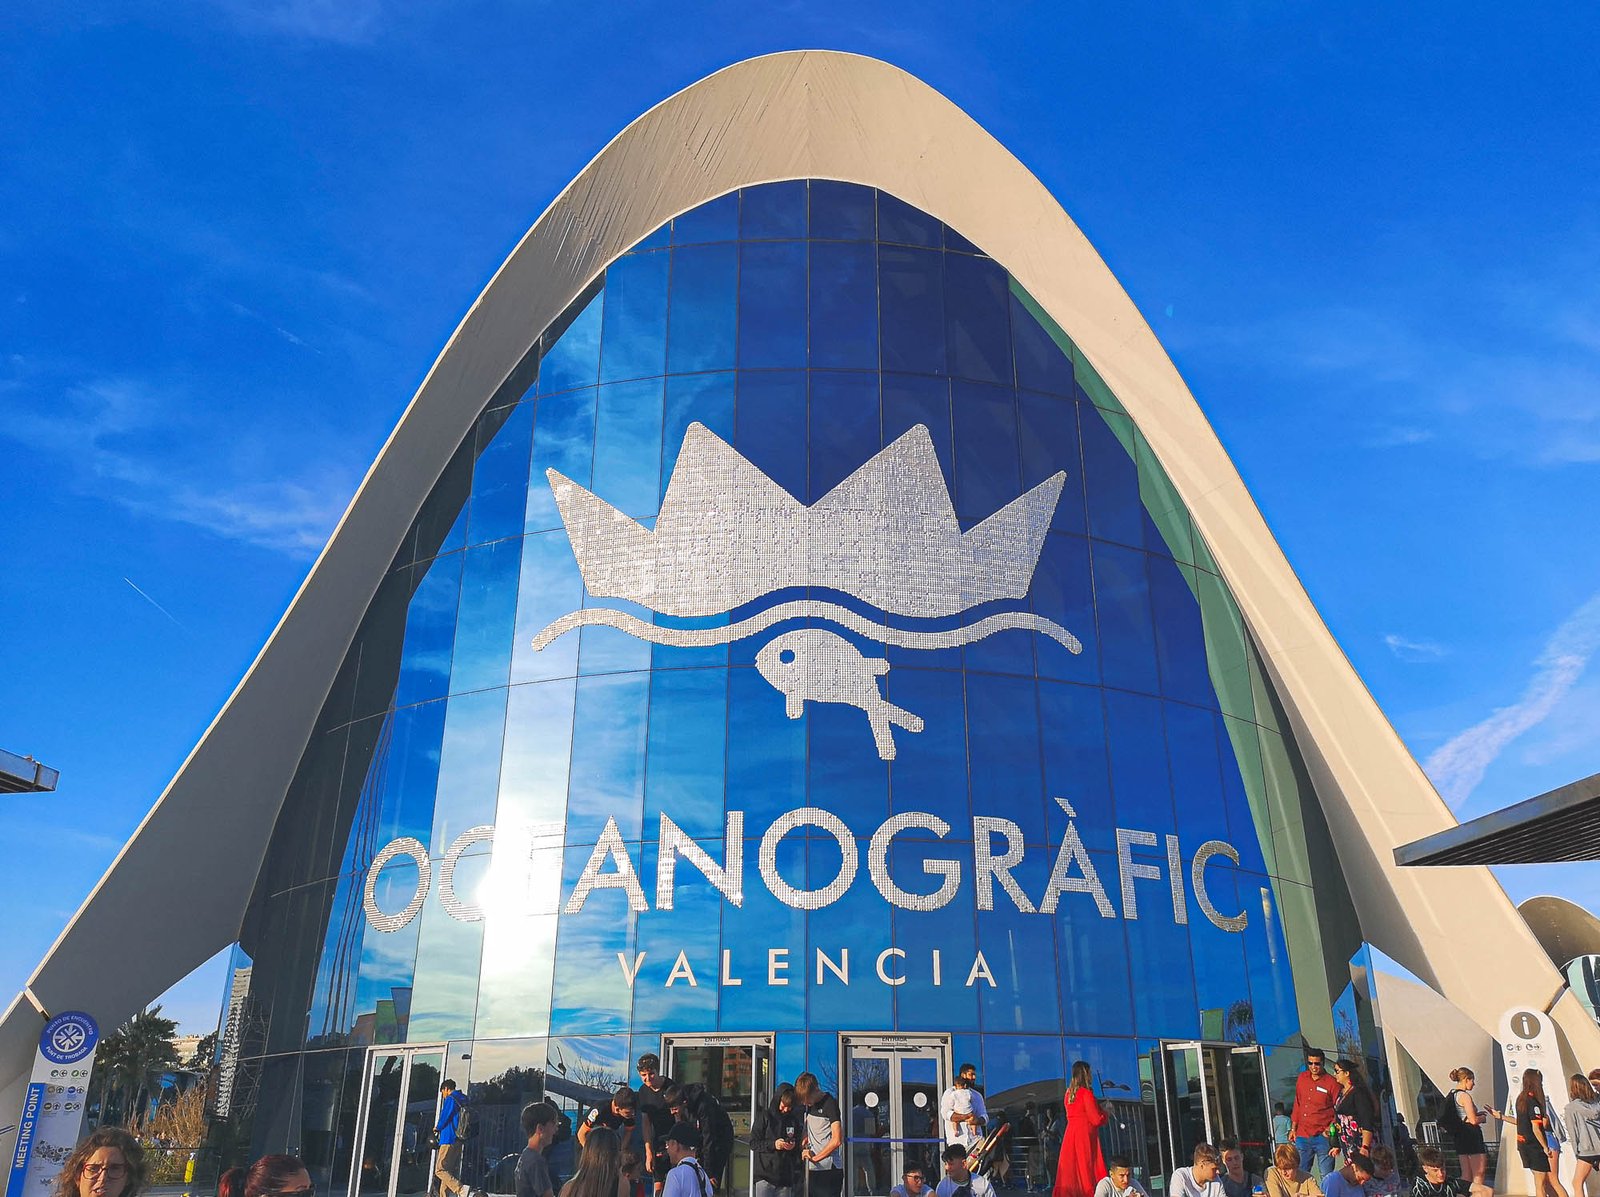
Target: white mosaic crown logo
[887,536]
[727,534]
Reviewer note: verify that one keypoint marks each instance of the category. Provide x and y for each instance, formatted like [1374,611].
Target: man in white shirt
[961,1110]
[1200,1178]
[959,1180]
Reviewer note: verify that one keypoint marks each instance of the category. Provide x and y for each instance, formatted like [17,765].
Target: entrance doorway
[737,1070]
[889,1098]
[399,1109]
[1214,1091]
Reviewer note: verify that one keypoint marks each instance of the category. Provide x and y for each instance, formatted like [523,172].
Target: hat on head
[684,1135]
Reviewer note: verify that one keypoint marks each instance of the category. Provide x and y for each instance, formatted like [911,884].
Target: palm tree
[127,1059]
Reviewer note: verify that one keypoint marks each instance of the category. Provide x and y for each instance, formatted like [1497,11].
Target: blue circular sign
[68,1037]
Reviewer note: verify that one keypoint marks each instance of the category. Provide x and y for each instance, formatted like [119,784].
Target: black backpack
[1450,1119]
[466,1123]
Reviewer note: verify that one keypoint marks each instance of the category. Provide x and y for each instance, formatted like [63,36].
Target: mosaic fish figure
[821,666]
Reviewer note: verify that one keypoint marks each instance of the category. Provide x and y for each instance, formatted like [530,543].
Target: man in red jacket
[1315,1093]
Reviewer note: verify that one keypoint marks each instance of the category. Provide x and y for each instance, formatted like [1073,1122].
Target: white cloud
[1459,765]
[1414,651]
[154,454]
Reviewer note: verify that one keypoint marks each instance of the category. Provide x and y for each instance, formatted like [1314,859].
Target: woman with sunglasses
[109,1163]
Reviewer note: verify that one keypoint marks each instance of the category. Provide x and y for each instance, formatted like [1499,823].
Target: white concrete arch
[793,115]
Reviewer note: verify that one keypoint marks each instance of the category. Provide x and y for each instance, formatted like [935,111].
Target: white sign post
[1528,1040]
[53,1107]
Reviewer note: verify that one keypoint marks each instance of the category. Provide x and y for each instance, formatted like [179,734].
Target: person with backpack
[452,1130]
[698,1106]
[685,1176]
[1462,1120]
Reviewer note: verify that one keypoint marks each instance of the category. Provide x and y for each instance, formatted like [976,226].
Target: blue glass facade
[497,847]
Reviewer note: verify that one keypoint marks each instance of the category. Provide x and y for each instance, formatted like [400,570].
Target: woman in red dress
[1082,1163]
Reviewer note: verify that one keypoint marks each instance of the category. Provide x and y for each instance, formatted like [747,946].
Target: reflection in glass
[808,356]
[633,339]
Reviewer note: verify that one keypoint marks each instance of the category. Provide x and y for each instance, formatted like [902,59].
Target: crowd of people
[669,1140]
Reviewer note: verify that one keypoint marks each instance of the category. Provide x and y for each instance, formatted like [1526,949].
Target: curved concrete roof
[1564,929]
[805,114]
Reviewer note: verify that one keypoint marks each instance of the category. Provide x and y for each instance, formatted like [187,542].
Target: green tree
[204,1053]
[128,1059]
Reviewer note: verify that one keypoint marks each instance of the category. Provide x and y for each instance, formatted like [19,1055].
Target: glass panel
[772,305]
[687,751]
[1188,1097]
[1253,1126]
[627,453]
[678,982]
[378,1154]
[868,1110]
[911,306]
[656,240]
[608,744]
[500,475]
[705,281]
[506,1075]
[441,526]
[430,631]
[917,1127]
[1123,613]
[845,431]
[977,307]
[1109,477]
[634,336]
[934,777]
[484,626]
[1092,959]
[842,211]
[1041,364]
[550,587]
[774,211]
[766,942]
[899,222]
[770,426]
[844,305]
[988,472]
[573,358]
[563,440]
[1004,743]
[1049,434]
[714,220]
[414,1173]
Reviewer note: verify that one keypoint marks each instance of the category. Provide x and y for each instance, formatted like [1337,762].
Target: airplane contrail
[153,602]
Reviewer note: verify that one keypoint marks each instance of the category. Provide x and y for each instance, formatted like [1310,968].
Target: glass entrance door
[399,1109]
[889,1101]
[737,1070]
[1215,1091]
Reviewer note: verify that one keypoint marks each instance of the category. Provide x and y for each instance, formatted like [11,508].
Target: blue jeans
[1314,1148]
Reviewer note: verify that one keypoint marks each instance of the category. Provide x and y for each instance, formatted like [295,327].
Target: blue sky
[234,234]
